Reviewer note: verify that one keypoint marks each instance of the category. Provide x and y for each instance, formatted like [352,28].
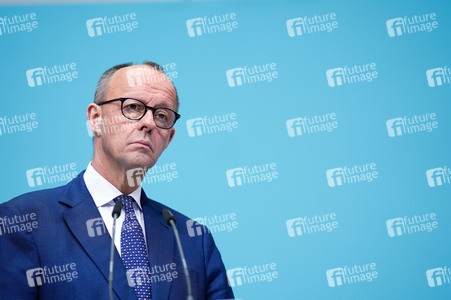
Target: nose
[147,122]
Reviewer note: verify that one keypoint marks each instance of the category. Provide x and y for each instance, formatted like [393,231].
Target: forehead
[144,83]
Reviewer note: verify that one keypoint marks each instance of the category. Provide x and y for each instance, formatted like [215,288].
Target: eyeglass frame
[152,109]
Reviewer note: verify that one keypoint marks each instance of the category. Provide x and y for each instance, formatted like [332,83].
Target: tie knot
[127,202]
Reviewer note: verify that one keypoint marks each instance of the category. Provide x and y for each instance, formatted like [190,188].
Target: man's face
[136,143]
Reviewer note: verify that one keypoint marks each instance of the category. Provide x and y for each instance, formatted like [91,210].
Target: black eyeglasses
[134,109]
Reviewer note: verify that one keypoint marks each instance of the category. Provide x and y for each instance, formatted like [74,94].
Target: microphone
[116,213]
[170,220]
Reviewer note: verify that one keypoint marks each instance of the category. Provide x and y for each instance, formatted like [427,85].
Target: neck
[115,174]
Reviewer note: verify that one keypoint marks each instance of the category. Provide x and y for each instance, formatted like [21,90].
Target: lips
[143,143]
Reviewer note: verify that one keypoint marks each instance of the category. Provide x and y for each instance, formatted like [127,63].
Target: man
[54,243]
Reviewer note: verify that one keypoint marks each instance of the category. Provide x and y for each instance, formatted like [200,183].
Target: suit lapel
[81,210]
[160,243]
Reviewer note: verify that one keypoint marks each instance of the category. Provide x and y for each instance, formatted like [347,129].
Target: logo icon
[435,177]
[395,227]
[235,77]
[135,176]
[435,77]
[137,276]
[35,177]
[394,27]
[195,228]
[435,277]
[195,26]
[294,227]
[335,177]
[235,277]
[195,126]
[35,77]
[95,227]
[235,177]
[294,127]
[294,27]
[395,127]
[35,277]
[335,277]
[95,27]
[335,77]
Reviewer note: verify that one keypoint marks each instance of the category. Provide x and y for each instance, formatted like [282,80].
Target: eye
[161,115]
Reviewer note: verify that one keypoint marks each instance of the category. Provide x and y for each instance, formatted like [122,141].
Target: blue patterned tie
[134,251]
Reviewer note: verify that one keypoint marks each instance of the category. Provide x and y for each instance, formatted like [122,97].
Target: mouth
[143,143]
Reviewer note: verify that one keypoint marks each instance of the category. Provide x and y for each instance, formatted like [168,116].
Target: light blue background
[262,110]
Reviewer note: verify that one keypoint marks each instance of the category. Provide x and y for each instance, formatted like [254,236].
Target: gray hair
[102,85]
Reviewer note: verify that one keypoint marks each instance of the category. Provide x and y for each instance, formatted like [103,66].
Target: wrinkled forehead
[141,81]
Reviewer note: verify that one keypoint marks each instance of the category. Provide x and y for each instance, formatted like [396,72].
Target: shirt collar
[102,191]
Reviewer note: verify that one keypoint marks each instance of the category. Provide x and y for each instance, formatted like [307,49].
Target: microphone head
[168,216]
[117,209]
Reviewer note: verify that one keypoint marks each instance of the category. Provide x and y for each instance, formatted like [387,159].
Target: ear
[94,114]
[171,136]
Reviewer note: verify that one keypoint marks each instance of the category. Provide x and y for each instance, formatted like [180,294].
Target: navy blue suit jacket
[61,238]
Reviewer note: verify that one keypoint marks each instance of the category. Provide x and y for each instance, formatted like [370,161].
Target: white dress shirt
[103,193]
